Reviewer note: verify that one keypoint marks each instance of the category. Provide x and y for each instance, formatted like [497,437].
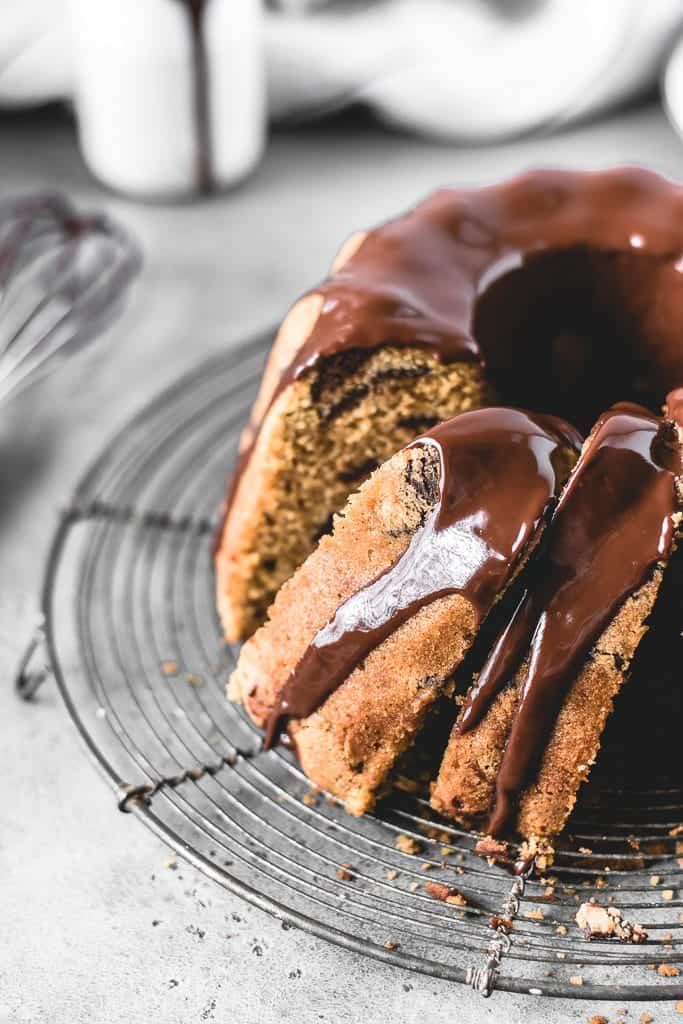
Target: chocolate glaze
[567,285]
[613,523]
[500,470]
[196,11]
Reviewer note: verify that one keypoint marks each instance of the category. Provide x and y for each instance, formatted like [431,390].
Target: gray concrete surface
[93,927]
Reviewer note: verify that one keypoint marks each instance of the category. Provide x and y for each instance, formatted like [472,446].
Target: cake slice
[360,365]
[530,727]
[364,638]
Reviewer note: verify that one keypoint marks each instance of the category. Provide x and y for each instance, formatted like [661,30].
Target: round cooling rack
[134,643]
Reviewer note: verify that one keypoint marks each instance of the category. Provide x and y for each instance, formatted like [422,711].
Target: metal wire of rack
[132,638]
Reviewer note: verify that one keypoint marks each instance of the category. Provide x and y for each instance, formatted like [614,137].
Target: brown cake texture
[466,783]
[318,441]
[466,786]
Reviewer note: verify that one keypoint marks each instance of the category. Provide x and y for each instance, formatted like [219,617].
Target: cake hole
[573,331]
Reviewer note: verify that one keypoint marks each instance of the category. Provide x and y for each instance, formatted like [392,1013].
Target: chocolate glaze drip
[196,11]
[500,469]
[550,279]
[611,526]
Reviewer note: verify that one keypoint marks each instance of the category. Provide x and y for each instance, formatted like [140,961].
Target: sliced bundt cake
[531,724]
[365,636]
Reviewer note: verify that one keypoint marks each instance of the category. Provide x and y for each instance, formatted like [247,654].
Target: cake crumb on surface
[668,971]
[576,979]
[391,944]
[598,1020]
[408,844]
[169,668]
[679,1006]
[667,894]
[446,894]
[344,874]
[392,874]
[598,922]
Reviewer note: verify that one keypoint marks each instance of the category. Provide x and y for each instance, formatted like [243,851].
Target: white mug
[170,94]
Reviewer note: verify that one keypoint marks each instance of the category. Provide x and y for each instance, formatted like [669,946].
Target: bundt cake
[557,292]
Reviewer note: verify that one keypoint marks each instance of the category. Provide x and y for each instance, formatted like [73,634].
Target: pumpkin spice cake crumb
[408,844]
[446,894]
[668,971]
[598,922]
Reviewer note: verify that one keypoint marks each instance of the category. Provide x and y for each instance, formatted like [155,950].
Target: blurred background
[173,173]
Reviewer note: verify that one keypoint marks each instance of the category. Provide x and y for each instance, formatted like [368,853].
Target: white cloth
[452,68]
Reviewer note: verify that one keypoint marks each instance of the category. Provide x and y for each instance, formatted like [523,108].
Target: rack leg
[28,679]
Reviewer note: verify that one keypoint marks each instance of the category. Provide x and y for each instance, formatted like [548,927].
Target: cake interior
[573,331]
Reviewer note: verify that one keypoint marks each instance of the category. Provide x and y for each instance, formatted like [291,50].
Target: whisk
[63,280]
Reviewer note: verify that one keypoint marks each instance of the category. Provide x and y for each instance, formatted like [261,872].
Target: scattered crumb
[494,850]
[344,875]
[407,844]
[601,883]
[169,668]
[667,894]
[645,1018]
[598,1020]
[310,798]
[549,892]
[668,971]
[598,922]
[576,980]
[426,866]
[193,680]
[390,944]
[501,923]
[391,874]
[445,851]
[446,894]
[679,1006]
[677,830]
[585,849]
[655,879]
[171,864]
[561,929]
[414,886]
[560,956]
[534,915]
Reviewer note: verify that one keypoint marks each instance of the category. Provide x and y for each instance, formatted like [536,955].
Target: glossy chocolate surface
[567,286]
[500,470]
[612,525]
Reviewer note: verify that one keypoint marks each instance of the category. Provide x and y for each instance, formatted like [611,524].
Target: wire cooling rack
[131,635]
